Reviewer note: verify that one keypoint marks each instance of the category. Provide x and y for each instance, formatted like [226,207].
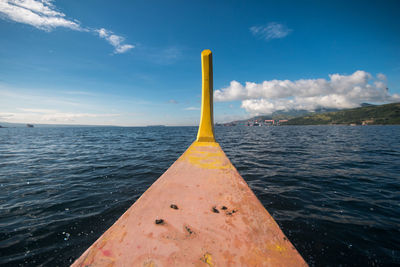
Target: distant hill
[367,114]
[279,115]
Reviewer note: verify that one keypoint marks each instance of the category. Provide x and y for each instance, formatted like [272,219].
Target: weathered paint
[200,212]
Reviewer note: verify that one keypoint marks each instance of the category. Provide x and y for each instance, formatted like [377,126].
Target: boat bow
[200,212]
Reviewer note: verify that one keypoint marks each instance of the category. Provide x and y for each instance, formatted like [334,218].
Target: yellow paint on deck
[206,127]
[207,155]
[149,264]
[206,144]
[207,259]
[280,248]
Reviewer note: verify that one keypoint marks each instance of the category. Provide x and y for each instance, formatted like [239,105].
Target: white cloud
[6,115]
[381,76]
[51,116]
[192,108]
[270,31]
[40,14]
[43,15]
[70,117]
[84,93]
[38,110]
[340,91]
[15,95]
[114,40]
[40,106]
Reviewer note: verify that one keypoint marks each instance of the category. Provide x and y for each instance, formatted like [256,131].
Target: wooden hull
[200,212]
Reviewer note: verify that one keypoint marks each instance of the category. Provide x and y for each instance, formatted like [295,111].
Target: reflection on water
[334,190]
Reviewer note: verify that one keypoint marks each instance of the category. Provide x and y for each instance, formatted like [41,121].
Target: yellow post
[206,127]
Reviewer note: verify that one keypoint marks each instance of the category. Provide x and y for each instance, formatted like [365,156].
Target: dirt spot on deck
[188,230]
[214,209]
[160,222]
[230,213]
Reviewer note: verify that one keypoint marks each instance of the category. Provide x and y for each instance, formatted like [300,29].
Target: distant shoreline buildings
[253,123]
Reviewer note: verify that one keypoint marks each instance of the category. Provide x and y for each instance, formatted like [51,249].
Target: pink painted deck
[200,212]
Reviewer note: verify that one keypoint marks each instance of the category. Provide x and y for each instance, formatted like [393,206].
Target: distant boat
[29,125]
[200,212]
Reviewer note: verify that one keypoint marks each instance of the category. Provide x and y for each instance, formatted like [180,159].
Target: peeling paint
[207,259]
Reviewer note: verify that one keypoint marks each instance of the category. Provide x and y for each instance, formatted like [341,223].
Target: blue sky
[138,62]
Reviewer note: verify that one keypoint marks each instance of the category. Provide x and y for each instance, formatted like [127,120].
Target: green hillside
[371,115]
[277,115]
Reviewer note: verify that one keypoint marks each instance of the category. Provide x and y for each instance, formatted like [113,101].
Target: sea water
[334,190]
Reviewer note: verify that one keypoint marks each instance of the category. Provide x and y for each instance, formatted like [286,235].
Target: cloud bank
[272,30]
[49,116]
[339,91]
[43,15]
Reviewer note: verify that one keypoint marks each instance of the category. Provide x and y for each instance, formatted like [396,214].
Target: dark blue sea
[334,190]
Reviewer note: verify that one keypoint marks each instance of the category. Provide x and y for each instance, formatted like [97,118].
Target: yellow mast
[206,127]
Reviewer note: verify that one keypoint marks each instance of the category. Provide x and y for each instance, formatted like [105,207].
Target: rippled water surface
[334,190]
